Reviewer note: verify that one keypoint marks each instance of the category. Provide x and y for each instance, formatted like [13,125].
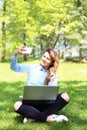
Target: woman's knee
[65,96]
[17,105]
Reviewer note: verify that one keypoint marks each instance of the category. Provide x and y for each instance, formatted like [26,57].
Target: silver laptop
[40,92]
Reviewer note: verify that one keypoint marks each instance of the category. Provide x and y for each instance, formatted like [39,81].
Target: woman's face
[46,60]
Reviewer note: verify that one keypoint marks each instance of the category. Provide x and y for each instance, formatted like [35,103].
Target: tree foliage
[43,23]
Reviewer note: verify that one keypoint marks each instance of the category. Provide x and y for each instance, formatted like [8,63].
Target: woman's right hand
[23,50]
[18,51]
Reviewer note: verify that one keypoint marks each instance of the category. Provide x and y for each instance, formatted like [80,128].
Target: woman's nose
[44,58]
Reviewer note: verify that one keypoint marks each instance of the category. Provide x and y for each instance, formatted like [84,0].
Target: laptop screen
[40,92]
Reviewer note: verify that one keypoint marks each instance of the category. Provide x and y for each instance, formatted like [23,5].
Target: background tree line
[60,24]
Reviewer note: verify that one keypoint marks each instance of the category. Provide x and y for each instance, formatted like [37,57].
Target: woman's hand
[19,51]
[23,50]
[49,78]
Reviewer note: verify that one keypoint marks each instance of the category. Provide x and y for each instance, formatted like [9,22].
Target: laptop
[40,93]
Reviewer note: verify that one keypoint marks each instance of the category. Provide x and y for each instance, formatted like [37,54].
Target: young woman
[43,73]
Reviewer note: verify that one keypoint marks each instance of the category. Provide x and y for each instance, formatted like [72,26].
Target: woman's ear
[52,65]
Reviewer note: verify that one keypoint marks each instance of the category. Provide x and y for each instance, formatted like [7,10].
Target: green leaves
[26,20]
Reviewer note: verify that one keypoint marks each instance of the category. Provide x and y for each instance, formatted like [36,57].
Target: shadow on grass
[9,93]
[75,110]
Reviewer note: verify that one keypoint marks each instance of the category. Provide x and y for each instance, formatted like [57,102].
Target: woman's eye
[48,59]
[44,56]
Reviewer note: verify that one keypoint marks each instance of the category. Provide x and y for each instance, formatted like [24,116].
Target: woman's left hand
[51,76]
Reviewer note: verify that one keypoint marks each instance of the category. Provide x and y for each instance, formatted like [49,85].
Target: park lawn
[72,79]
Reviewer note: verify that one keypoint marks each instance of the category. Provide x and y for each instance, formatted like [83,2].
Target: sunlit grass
[72,71]
[72,79]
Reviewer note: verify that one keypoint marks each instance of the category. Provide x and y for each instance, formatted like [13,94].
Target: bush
[73,59]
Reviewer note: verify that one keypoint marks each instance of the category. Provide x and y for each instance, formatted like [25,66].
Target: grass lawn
[72,79]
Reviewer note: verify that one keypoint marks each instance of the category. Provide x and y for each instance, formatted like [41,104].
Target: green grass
[72,79]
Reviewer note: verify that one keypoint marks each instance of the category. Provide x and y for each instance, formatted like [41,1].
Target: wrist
[15,53]
[46,81]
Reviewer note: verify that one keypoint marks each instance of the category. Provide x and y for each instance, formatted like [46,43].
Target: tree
[79,33]
[3,46]
[41,23]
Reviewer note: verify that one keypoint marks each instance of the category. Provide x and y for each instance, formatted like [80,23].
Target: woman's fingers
[51,76]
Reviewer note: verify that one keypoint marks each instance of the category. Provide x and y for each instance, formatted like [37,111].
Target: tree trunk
[64,58]
[80,53]
[3,34]
[25,56]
